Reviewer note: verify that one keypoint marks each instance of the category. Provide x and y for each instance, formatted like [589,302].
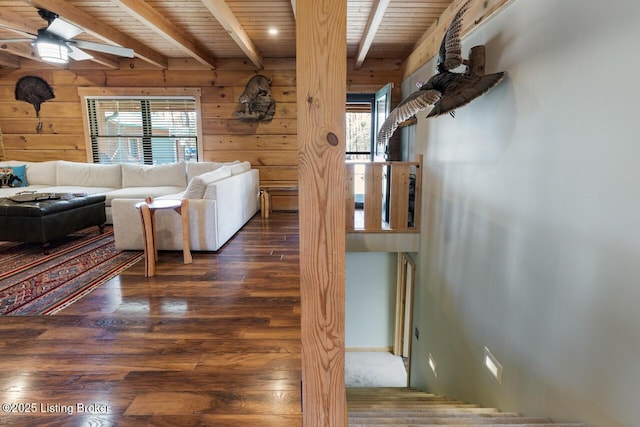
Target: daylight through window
[149,130]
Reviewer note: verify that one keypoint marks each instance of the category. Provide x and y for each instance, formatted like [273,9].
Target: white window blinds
[148,130]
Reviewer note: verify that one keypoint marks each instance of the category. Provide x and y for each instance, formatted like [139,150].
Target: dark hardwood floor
[214,343]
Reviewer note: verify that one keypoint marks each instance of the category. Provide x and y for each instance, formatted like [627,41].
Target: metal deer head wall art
[446,90]
[34,90]
[257,100]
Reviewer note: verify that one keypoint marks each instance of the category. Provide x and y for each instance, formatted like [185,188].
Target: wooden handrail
[403,199]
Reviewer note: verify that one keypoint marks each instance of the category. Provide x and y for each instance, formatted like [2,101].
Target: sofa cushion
[198,168]
[13,175]
[143,192]
[240,167]
[198,185]
[12,191]
[76,189]
[88,175]
[170,174]
[172,196]
[42,172]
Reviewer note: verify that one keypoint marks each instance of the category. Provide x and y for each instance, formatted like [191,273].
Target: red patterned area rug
[33,283]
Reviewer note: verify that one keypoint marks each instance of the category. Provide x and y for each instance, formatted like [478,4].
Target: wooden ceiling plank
[153,19]
[429,44]
[100,30]
[220,10]
[14,22]
[375,19]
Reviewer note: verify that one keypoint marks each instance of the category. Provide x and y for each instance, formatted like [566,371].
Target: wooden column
[321,94]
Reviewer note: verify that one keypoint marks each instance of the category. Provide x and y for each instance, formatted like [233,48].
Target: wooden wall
[271,147]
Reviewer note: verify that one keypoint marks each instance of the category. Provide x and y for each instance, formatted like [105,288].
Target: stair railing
[383,196]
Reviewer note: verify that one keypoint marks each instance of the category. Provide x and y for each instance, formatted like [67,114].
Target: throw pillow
[166,174]
[88,174]
[43,172]
[198,184]
[13,176]
[198,168]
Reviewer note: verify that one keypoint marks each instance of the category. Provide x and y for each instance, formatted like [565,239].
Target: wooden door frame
[405,287]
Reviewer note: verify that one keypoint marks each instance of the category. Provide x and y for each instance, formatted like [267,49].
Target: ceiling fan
[54,43]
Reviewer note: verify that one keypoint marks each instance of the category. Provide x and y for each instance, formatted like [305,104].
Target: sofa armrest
[237,200]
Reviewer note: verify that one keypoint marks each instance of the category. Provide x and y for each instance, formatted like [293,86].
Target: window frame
[364,98]
[138,93]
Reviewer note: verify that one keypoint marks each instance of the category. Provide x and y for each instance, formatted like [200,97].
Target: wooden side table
[147,215]
[265,196]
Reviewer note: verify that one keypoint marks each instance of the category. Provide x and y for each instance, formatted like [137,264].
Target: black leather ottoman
[45,220]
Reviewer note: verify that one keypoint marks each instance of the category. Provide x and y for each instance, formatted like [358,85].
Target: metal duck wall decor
[257,100]
[447,90]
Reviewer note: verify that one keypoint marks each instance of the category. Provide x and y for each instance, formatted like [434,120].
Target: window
[359,141]
[145,130]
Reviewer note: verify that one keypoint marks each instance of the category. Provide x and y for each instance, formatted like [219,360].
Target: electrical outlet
[416,332]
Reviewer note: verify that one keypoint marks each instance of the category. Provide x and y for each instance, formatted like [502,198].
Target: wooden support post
[321,92]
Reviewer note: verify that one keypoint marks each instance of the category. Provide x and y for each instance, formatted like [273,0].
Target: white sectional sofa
[222,196]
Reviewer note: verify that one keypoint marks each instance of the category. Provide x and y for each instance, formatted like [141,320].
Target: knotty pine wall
[270,147]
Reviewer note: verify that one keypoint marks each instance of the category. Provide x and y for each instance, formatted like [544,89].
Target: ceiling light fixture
[51,49]
[273,31]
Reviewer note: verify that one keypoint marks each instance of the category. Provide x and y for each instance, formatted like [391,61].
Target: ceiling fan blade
[105,48]
[22,33]
[15,40]
[63,29]
[77,54]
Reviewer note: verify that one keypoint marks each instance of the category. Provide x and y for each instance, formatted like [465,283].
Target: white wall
[370,299]
[531,244]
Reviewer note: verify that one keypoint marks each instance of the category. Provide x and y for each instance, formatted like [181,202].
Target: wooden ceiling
[160,31]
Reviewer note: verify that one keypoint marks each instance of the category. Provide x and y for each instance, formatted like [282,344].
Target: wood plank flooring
[213,343]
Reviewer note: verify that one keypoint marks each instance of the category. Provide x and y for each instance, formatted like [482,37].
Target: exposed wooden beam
[9,61]
[99,58]
[321,72]
[429,44]
[375,19]
[101,30]
[220,10]
[153,19]
[19,49]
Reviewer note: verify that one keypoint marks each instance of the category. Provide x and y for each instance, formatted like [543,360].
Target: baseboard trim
[381,349]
